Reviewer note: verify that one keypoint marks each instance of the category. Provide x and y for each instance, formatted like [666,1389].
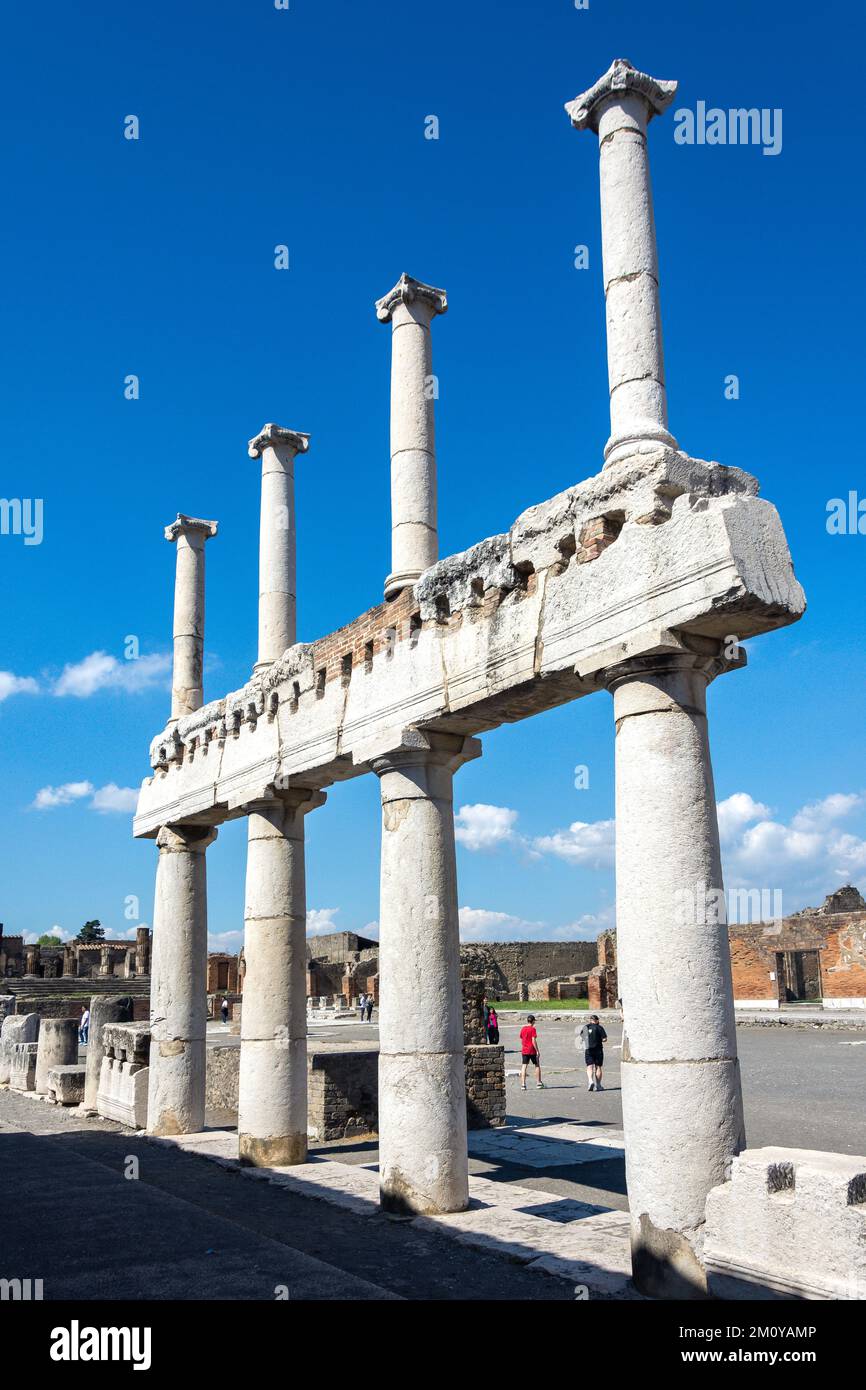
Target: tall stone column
[272,1093]
[423,1163]
[178,999]
[618,108]
[277,448]
[410,307]
[188,534]
[682,1106]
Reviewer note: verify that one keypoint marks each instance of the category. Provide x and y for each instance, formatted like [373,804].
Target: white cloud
[481,827]
[16,685]
[737,811]
[229,942]
[805,858]
[590,843]
[105,799]
[480,924]
[99,671]
[31,938]
[320,920]
[114,798]
[49,797]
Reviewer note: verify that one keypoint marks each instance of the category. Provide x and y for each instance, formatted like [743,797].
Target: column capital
[620,79]
[417,747]
[186,839]
[709,658]
[289,799]
[276,437]
[407,291]
[191,526]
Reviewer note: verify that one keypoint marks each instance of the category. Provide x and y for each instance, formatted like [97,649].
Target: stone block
[790,1223]
[66,1084]
[22,1076]
[122,1094]
[57,1046]
[17,1028]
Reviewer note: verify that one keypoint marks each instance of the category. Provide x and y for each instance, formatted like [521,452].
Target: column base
[639,441]
[280,1151]
[396,583]
[664,1265]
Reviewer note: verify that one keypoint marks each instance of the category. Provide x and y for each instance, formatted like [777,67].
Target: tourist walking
[224,1010]
[492,1025]
[84,1025]
[530,1056]
[369,1008]
[362,1005]
[593,1037]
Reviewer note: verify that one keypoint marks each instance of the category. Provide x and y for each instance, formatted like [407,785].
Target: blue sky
[155,257]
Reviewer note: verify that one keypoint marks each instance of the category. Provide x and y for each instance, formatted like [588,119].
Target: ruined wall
[836,930]
[342,1093]
[503,964]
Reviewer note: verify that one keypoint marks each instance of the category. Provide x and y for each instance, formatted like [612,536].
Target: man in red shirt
[530,1054]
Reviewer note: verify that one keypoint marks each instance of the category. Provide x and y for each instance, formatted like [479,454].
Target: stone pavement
[582,1243]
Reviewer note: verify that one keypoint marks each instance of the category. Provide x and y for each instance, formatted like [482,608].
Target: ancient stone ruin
[641,580]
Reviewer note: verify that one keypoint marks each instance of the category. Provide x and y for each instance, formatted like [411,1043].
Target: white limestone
[423,1161]
[277,448]
[272,1088]
[104,1009]
[188,534]
[57,1045]
[410,307]
[790,1223]
[682,1106]
[618,107]
[124,1074]
[179,981]
[16,1028]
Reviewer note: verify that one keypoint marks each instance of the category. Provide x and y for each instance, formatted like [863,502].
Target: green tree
[49,940]
[91,931]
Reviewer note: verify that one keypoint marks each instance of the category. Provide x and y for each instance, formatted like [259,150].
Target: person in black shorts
[593,1037]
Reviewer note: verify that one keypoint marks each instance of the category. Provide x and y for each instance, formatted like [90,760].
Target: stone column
[178,976]
[104,1008]
[682,1107]
[189,534]
[142,951]
[277,448]
[618,108]
[272,1088]
[423,1162]
[410,307]
[57,1047]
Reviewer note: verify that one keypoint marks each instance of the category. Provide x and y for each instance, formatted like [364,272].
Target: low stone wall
[343,1093]
[485,1086]
[790,1223]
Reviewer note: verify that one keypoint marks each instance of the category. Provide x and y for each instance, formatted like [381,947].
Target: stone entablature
[699,557]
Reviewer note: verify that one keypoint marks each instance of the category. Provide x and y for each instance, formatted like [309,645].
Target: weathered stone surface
[698,554]
[124,1075]
[22,1066]
[789,1223]
[104,1009]
[57,1046]
[16,1028]
[66,1084]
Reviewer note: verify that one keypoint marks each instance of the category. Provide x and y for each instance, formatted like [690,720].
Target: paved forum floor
[190,1229]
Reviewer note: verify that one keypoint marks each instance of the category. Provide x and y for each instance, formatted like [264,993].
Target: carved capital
[620,78]
[276,437]
[407,291]
[193,526]
[185,839]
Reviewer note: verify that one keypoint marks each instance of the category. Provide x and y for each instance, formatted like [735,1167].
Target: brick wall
[343,1092]
[485,1086]
[838,937]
